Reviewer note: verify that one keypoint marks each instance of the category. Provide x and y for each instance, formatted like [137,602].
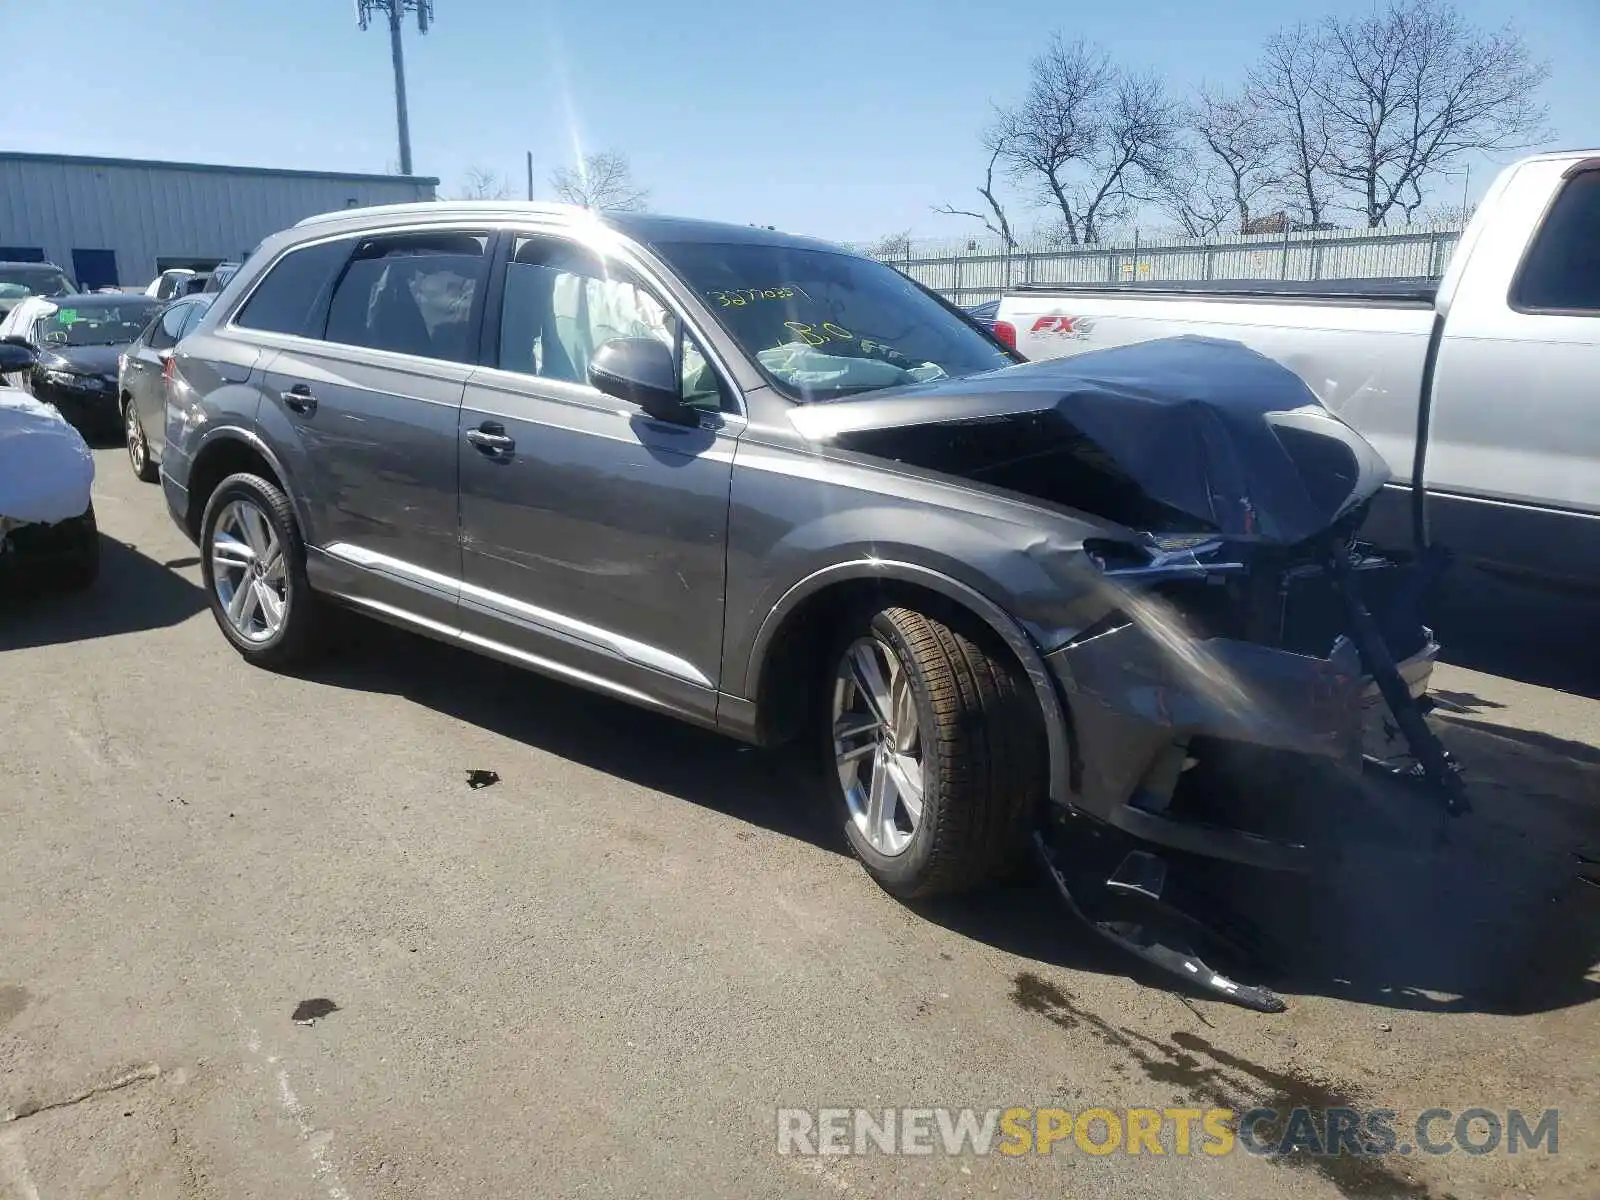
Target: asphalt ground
[607,972]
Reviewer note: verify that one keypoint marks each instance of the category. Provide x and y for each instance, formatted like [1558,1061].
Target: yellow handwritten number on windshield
[738,299]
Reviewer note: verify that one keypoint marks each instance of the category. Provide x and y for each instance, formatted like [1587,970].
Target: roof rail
[451,208]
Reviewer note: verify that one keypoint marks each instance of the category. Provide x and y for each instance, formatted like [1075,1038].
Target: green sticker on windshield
[67,316]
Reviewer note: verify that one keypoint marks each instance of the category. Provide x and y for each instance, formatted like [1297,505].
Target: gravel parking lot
[603,974]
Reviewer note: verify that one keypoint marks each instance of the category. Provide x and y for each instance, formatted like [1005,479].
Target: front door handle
[491,438]
[300,399]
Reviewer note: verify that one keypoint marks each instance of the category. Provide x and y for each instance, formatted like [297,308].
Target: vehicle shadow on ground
[649,749]
[1489,912]
[1497,911]
[132,593]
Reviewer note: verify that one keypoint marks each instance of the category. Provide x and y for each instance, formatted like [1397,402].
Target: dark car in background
[143,372]
[78,339]
[19,280]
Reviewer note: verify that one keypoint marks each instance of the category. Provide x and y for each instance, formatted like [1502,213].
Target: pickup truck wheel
[253,561]
[138,444]
[934,751]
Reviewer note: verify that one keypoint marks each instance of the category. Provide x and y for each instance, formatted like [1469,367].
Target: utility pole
[394,11]
[530,174]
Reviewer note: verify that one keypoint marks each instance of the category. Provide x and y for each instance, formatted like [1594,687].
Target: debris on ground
[308,1011]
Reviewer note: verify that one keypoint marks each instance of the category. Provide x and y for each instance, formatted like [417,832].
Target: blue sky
[844,120]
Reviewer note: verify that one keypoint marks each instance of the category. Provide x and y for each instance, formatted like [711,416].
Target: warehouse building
[122,221]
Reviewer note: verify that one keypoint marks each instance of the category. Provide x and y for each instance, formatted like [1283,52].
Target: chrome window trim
[598,238]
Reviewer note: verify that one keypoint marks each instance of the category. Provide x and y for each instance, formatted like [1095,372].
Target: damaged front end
[1230,604]
[1316,649]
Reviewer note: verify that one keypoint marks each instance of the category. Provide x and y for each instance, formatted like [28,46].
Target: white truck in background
[1483,388]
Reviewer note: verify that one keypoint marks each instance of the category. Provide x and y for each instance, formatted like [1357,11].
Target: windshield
[824,324]
[96,325]
[17,282]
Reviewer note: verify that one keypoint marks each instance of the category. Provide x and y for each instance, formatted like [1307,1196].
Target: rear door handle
[300,399]
[491,438]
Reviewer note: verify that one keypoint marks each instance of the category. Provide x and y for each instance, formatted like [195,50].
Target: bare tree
[1284,88]
[1239,156]
[896,245]
[1094,140]
[479,183]
[1408,91]
[603,180]
[995,219]
[1196,194]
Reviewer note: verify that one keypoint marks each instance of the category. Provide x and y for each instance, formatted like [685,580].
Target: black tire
[298,634]
[77,549]
[137,443]
[984,760]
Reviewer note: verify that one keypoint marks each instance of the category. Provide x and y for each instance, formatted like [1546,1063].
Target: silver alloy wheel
[249,571]
[137,446]
[877,743]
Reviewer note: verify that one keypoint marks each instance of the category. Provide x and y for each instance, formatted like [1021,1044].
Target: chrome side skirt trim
[505,608]
[501,650]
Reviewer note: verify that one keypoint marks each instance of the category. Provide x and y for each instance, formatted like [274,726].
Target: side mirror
[15,355]
[641,371]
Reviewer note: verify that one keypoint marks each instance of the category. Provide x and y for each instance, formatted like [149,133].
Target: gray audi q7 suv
[764,485]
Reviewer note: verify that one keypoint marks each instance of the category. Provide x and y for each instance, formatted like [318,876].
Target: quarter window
[166,329]
[192,318]
[1562,270]
[293,290]
[563,301]
[412,294]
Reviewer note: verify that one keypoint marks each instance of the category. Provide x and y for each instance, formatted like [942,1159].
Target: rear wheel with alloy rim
[254,566]
[935,751]
[138,444]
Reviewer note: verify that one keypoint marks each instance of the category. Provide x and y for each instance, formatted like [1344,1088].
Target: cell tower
[393,12]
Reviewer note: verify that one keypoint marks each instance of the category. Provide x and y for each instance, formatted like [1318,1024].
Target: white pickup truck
[1484,388]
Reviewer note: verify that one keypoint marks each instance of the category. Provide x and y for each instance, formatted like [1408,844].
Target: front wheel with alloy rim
[138,444]
[253,562]
[934,750]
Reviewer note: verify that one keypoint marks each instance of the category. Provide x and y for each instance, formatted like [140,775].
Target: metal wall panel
[146,211]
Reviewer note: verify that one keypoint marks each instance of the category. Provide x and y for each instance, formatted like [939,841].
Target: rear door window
[413,293]
[292,296]
[1562,270]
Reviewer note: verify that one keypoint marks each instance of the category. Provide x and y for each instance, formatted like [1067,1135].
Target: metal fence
[971,272]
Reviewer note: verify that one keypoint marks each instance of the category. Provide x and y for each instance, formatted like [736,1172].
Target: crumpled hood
[1183,433]
[82,360]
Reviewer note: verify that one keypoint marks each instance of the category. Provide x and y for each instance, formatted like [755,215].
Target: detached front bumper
[1138,697]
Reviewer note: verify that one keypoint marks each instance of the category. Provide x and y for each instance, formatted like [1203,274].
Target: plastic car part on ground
[45,466]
